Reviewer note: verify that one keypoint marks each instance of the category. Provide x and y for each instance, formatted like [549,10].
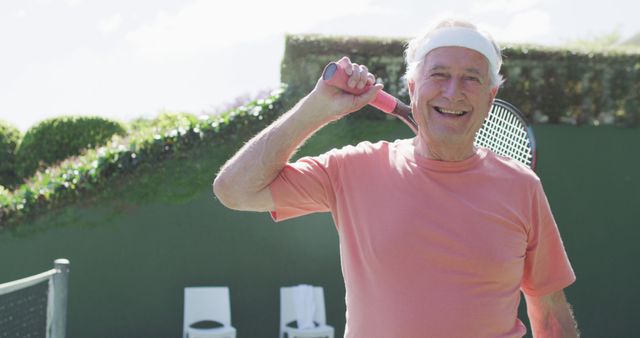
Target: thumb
[363,99]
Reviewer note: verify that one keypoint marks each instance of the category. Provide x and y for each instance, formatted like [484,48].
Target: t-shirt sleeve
[547,268]
[303,187]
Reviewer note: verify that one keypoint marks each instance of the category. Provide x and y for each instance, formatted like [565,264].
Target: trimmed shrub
[167,121]
[9,140]
[56,139]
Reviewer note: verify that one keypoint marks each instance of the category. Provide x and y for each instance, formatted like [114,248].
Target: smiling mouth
[449,111]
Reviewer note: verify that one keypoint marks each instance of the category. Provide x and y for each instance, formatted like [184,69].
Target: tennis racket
[505,131]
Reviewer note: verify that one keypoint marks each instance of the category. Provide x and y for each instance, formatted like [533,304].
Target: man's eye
[438,75]
[472,78]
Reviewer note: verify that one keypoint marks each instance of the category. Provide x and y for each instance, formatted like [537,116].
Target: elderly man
[437,237]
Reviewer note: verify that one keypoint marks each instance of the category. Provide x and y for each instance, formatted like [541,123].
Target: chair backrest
[287,306]
[206,303]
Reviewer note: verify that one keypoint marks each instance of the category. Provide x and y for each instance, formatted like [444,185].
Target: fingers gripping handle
[336,76]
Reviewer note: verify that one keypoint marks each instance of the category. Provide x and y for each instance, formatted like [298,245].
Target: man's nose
[452,89]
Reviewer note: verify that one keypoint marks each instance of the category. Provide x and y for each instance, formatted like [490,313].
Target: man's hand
[551,316]
[336,102]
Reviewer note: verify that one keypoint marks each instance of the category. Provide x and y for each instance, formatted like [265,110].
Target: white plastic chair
[288,315]
[207,304]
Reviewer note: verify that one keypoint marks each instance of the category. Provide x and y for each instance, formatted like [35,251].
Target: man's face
[451,95]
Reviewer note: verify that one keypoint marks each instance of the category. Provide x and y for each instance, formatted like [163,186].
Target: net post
[60,287]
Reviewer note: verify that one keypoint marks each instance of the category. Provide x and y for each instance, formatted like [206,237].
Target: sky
[124,59]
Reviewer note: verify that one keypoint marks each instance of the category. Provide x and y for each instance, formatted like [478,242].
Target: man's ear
[494,92]
[412,86]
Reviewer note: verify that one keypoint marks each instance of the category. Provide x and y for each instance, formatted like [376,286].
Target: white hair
[450,33]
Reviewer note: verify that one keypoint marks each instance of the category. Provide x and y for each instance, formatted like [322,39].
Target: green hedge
[148,145]
[576,87]
[552,85]
[9,139]
[56,139]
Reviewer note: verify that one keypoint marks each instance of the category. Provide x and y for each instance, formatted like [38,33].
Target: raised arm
[243,182]
[551,316]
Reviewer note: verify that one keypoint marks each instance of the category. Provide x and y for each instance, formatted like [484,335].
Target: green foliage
[9,140]
[574,87]
[148,145]
[163,121]
[56,139]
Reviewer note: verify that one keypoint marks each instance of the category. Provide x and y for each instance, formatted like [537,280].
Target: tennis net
[36,306]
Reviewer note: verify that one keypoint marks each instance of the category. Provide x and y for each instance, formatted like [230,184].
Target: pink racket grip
[335,75]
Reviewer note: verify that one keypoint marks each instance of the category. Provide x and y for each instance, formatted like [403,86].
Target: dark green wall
[592,179]
[135,248]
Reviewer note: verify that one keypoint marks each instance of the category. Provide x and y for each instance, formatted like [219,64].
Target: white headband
[460,37]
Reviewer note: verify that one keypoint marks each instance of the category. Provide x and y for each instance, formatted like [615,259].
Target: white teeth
[447,111]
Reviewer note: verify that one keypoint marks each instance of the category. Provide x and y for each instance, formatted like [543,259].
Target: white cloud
[73,3]
[20,14]
[110,24]
[523,27]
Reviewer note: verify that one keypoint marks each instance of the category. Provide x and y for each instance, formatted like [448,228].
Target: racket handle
[335,75]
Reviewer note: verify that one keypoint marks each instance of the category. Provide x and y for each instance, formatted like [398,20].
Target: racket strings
[506,135]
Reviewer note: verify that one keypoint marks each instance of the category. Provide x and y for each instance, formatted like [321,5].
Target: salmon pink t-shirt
[430,248]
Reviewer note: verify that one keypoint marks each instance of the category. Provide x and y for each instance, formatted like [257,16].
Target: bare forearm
[555,327]
[552,317]
[260,160]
